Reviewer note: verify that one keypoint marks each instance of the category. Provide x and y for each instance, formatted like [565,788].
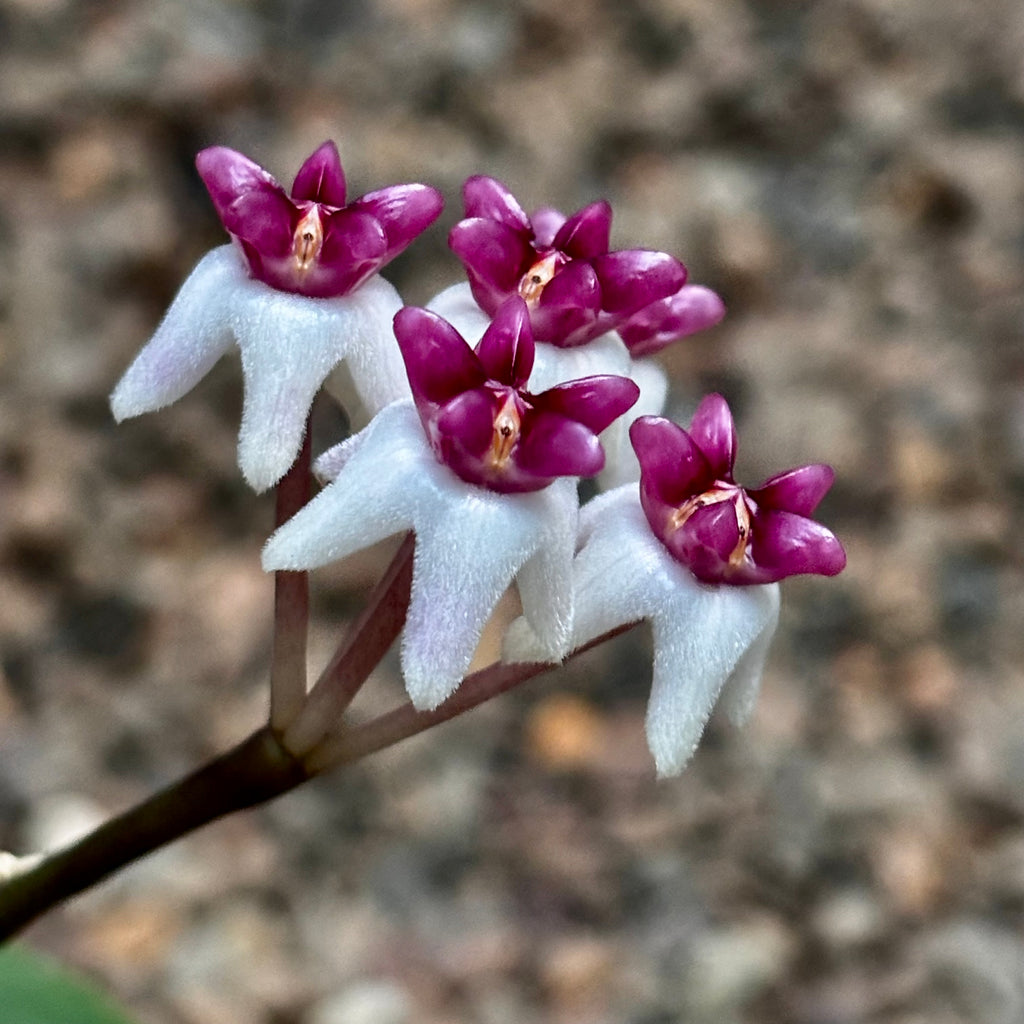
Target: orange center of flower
[507,426]
[533,282]
[308,239]
[716,496]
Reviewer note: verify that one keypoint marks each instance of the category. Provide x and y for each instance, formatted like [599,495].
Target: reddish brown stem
[255,771]
[291,604]
[366,643]
[353,744]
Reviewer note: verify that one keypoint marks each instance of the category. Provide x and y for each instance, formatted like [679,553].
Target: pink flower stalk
[479,418]
[721,531]
[691,309]
[312,242]
[574,287]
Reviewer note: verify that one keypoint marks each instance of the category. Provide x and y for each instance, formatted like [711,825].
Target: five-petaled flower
[480,419]
[299,294]
[721,531]
[310,241]
[491,496]
[708,640]
[574,287]
[669,555]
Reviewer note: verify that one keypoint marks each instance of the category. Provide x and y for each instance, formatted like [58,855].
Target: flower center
[308,239]
[507,426]
[715,496]
[533,282]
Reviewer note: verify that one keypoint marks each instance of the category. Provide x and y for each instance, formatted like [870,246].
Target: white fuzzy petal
[469,549]
[457,305]
[704,636]
[289,344]
[621,465]
[329,465]
[743,686]
[470,544]
[554,365]
[545,580]
[619,575]
[368,503]
[700,639]
[194,333]
[374,359]
[604,581]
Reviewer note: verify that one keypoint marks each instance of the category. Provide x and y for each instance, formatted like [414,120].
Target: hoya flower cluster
[485,409]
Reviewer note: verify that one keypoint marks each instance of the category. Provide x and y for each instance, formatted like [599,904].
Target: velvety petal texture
[721,531]
[470,545]
[691,309]
[480,420]
[289,344]
[554,365]
[575,289]
[311,242]
[707,639]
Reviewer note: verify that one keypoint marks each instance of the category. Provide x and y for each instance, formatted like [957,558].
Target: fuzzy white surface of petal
[470,543]
[457,305]
[744,685]
[370,499]
[469,550]
[194,333]
[553,365]
[621,464]
[545,580]
[700,640]
[704,636]
[290,343]
[329,465]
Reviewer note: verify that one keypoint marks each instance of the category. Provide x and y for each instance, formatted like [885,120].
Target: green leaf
[34,990]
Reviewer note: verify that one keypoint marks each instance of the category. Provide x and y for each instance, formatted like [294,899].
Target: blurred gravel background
[850,176]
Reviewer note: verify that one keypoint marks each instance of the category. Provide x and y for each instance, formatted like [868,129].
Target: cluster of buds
[485,409]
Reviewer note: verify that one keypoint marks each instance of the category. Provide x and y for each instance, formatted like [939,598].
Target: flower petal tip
[521,644]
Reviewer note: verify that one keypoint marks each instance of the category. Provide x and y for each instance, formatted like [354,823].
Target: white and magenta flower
[575,288]
[668,550]
[485,475]
[708,640]
[311,241]
[721,531]
[298,293]
[479,418]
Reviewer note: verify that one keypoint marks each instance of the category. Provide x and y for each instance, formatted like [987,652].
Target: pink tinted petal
[321,178]
[439,362]
[467,422]
[634,278]
[707,539]
[404,211]
[673,468]
[587,233]
[249,202]
[495,258]
[506,350]
[546,223]
[595,401]
[570,301]
[712,429]
[489,198]
[552,445]
[785,544]
[797,490]
[354,248]
[693,308]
